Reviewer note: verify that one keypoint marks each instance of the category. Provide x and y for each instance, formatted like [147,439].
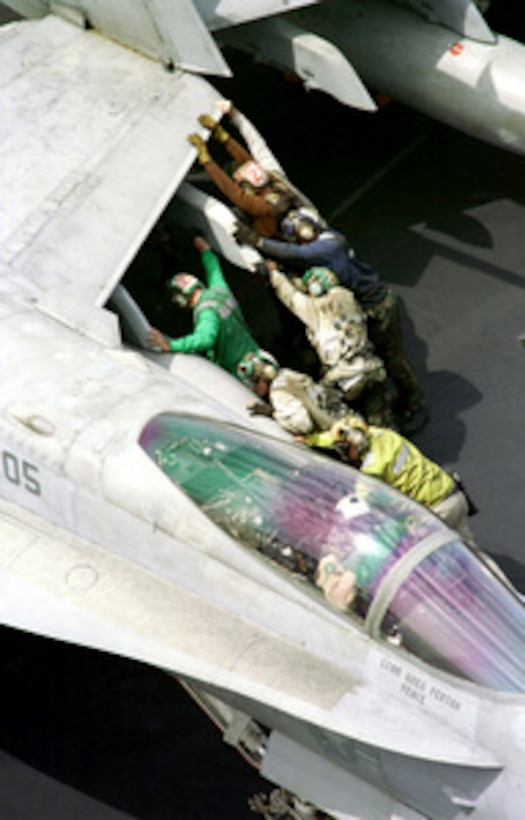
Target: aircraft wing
[94,147]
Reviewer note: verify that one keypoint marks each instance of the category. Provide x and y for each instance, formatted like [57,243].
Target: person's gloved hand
[207,122]
[260,408]
[217,131]
[203,155]
[226,106]
[200,243]
[245,235]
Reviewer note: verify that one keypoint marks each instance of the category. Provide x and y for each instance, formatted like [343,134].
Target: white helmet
[252,173]
[351,430]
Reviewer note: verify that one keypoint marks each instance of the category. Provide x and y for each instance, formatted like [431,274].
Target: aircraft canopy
[405,574]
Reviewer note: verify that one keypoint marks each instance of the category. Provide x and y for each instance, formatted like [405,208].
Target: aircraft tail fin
[171,32]
[462,16]
[225,13]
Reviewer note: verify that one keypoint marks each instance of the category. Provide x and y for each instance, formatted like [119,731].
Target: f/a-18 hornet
[144,513]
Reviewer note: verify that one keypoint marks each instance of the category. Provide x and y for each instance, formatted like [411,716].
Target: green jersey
[219,329]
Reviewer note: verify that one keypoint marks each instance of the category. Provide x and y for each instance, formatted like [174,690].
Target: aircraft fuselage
[473,86]
[108,548]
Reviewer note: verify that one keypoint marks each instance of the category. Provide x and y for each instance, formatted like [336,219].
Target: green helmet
[181,286]
[257,365]
[319,280]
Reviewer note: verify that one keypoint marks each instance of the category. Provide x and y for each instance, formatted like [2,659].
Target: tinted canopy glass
[372,551]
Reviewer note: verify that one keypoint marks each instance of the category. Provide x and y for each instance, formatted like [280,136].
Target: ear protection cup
[319,280]
[302,224]
[304,230]
[181,286]
[353,430]
[255,366]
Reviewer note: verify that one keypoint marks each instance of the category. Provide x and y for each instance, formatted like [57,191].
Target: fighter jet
[347,642]
[437,56]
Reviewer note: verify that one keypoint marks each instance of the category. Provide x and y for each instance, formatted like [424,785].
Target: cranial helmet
[181,286]
[301,223]
[319,280]
[351,429]
[252,173]
[258,365]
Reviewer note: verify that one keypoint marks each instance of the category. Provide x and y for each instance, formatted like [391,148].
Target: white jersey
[300,405]
[336,328]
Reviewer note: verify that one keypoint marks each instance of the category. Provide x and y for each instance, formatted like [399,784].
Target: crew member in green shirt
[220,331]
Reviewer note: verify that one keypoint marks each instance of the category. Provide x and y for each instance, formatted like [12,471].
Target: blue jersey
[330,250]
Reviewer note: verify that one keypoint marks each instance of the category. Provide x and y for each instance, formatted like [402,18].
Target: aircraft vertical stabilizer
[172,32]
[218,14]
[462,16]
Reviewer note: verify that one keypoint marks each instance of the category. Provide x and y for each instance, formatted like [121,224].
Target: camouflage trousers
[384,331]
[375,403]
[363,385]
